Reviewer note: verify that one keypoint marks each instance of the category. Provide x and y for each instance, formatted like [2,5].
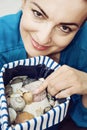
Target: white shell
[15,95]
[12,114]
[37,108]
[41,79]
[17,103]
[8,90]
[56,103]
[16,87]
[23,90]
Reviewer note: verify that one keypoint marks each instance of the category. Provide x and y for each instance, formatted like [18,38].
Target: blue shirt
[12,48]
[75,56]
[11,45]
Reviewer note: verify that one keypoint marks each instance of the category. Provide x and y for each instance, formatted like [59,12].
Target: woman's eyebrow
[62,23]
[71,24]
[40,9]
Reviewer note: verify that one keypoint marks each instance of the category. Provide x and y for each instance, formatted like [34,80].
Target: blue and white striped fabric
[42,122]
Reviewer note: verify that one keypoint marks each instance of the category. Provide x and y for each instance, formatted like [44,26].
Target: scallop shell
[24,116]
[17,103]
[12,114]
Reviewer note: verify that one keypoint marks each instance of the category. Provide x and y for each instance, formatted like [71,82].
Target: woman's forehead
[62,8]
[52,5]
[72,2]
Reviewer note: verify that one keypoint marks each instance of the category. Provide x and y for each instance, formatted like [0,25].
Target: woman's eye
[37,14]
[65,29]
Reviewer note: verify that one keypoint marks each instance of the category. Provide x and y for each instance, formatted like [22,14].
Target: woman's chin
[34,54]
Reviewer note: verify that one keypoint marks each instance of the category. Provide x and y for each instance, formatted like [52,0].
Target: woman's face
[48,26]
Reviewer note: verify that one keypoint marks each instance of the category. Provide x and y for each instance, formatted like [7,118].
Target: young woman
[58,29]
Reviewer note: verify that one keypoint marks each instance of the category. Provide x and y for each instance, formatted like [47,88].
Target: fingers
[58,72]
[65,93]
[62,94]
[62,83]
[41,88]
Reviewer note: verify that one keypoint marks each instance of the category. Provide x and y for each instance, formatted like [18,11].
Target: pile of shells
[23,105]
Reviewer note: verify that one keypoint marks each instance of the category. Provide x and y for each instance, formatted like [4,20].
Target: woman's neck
[55,57]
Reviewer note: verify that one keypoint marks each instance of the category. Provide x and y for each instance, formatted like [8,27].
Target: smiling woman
[57,29]
[43,26]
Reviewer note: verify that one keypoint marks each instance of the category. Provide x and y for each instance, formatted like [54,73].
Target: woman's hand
[65,82]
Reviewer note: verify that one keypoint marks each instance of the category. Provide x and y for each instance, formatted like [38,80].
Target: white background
[9,6]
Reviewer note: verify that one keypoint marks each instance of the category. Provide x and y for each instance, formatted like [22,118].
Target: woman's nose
[45,35]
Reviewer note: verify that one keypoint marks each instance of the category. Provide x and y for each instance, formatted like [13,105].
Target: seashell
[39,111]
[37,108]
[23,77]
[41,79]
[52,102]
[12,114]
[16,83]
[28,80]
[8,101]
[24,116]
[16,87]
[34,85]
[23,90]
[56,103]
[15,95]
[46,109]
[8,90]
[51,99]
[28,97]
[16,80]
[17,103]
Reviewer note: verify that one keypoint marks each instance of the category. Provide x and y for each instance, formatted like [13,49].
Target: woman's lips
[38,46]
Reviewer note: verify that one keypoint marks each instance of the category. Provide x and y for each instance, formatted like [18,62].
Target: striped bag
[19,68]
